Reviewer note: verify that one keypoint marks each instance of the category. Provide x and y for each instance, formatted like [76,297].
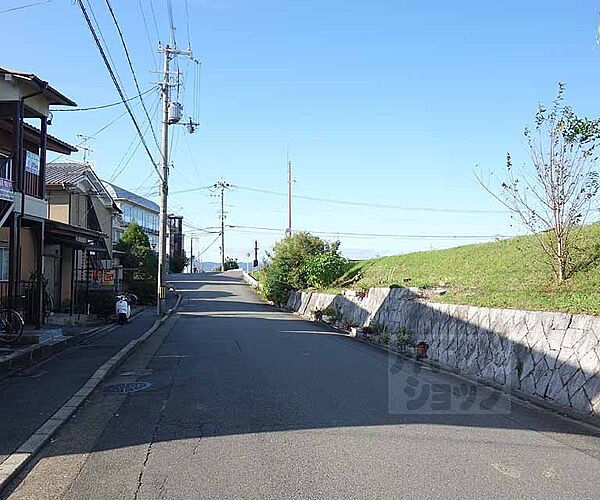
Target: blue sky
[388,102]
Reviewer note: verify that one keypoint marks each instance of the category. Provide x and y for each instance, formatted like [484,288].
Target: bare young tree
[555,194]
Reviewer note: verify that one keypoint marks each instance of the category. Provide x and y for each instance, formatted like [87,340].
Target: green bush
[298,262]
[231,263]
[324,269]
[102,302]
[144,289]
[177,263]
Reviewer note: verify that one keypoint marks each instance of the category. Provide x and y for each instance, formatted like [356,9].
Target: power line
[123,163]
[93,135]
[135,80]
[380,235]
[373,205]
[116,83]
[111,105]
[27,6]
[148,35]
[209,246]
[187,23]
[154,19]
[106,46]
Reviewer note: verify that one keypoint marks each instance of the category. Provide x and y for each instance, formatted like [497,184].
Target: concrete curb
[17,460]
[39,352]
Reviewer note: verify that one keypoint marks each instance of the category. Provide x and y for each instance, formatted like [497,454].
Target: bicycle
[11,326]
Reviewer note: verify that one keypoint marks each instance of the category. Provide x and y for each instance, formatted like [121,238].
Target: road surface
[246,401]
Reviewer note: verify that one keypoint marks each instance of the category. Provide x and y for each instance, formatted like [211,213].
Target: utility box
[175,112]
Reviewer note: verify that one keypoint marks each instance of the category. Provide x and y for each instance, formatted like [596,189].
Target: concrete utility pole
[191,255]
[222,186]
[169,52]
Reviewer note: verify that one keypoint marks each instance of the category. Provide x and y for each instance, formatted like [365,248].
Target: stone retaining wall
[553,356]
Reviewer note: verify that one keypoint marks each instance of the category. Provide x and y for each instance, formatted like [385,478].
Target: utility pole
[191,254]
[255,263]
[168,52]
[222,186]
[289,197]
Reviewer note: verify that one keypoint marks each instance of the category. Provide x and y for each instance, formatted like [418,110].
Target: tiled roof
[120,194]
[69,173]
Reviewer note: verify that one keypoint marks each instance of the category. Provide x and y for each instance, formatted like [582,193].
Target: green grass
[509,273]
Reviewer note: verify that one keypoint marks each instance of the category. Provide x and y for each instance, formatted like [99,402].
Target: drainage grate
[126,388]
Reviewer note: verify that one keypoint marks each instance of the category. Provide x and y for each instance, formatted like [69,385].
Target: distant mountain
[211,266]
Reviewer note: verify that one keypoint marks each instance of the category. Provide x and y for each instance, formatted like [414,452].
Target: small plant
[384,338]
[405,338]
[318,314]
[377,328]
[333,313]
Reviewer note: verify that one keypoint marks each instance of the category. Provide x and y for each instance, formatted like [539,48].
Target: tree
[177,263]
[323,269]
[231,263]
[555,194]
[300,261]
[139,260]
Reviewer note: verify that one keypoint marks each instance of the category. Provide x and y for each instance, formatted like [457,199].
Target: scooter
[122,309]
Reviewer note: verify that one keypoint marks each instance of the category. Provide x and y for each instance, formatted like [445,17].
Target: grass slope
[509,273]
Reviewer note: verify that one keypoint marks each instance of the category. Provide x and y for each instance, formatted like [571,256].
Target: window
[4,260]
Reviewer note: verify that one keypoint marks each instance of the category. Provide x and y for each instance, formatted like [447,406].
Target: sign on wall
[32,163]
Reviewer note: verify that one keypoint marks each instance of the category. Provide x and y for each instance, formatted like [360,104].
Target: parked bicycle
[11,326]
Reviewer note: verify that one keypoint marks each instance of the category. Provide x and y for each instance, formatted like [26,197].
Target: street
[245,401]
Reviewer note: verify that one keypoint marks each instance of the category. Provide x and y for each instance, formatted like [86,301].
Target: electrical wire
[373,205]
[111,105]
[380,235]
[135,80]
[152,51]
[123,163]
[209,246]
[116,83]
[27,6]
[93,135]
[187,23]
[154,19]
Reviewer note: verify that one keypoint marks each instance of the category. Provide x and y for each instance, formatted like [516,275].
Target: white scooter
[122,309]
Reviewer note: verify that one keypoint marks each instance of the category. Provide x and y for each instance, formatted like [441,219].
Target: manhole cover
[126,388]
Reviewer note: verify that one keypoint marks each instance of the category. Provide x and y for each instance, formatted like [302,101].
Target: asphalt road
[249,402]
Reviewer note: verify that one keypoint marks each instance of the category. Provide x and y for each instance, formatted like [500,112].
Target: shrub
[325,268]
[405,337]
[144,289]
[102,302]
[333,313]
[231,263]
[177,263]
[300,261]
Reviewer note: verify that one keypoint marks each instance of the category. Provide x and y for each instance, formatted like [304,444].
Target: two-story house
[79,250]
[25,102]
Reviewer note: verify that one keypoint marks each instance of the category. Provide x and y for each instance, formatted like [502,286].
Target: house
[25,102]
[79,261]
[135,208]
